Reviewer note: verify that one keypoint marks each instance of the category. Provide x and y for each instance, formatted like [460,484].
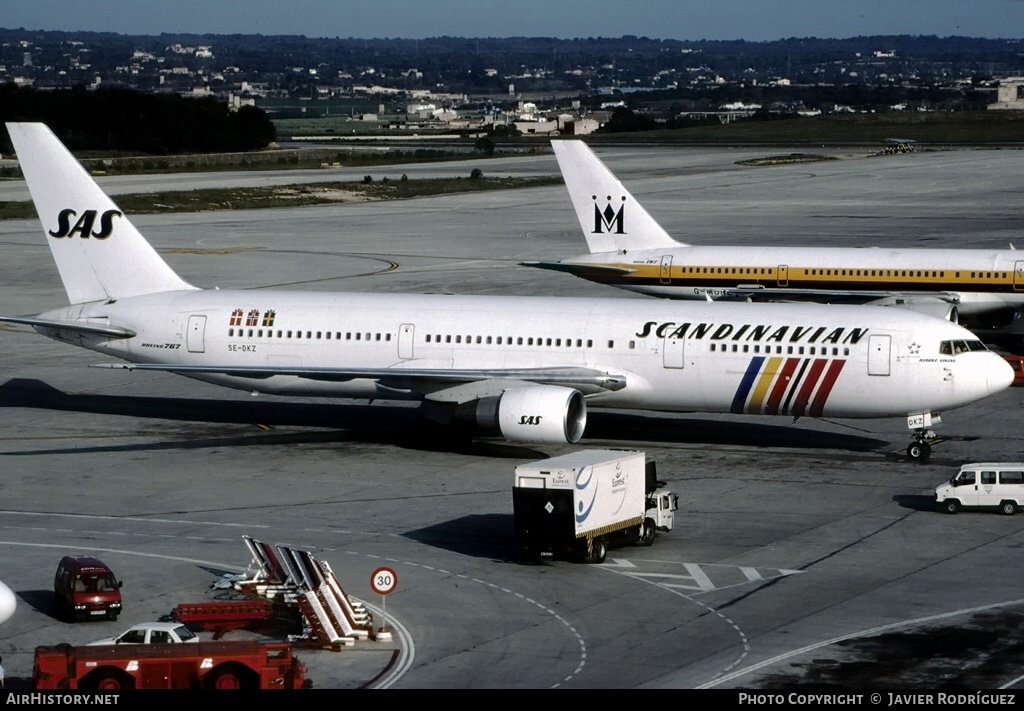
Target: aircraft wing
[462,384]
[939,304]
[579,269]
[76,326]
[768,293]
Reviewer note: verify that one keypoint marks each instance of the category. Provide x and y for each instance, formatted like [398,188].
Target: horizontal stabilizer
[76,326]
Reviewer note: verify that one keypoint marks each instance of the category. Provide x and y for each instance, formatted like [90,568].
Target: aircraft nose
[998,374]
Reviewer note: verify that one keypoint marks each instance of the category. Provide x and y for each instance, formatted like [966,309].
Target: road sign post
[383,581]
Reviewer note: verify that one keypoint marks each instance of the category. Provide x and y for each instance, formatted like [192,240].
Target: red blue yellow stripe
[786,386]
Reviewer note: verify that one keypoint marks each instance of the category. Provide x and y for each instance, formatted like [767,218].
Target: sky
[752,20]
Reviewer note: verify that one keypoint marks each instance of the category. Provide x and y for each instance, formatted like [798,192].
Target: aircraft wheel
[919,451]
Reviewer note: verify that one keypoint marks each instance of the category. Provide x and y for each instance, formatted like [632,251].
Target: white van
[983,485]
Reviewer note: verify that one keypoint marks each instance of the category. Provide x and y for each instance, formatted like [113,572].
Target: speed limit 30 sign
[384,581]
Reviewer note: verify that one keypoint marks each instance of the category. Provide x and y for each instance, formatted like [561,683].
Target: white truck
[575,505]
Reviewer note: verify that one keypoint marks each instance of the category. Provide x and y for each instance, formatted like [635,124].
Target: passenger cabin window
[1011,477]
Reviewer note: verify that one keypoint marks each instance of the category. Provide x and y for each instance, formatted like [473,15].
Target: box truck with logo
[576,505]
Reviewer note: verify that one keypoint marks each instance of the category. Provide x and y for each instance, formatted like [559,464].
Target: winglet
[99,253]
[611,218]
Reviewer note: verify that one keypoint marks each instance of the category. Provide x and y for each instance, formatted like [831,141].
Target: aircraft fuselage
[742,358]
[975,281]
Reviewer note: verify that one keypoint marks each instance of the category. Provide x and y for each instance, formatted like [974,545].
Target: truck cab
[661,508]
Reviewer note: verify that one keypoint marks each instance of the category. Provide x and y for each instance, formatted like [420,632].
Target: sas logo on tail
[83,226]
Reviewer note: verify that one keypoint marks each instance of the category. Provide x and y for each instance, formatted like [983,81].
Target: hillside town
[530,85]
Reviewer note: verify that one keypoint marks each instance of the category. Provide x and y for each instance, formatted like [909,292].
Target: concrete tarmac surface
[805,555]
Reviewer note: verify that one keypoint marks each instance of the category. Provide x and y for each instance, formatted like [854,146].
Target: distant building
[570,125]
[235,102]
[539,127]
[1010,94]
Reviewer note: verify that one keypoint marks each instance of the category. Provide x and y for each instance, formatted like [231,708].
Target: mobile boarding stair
[285,578]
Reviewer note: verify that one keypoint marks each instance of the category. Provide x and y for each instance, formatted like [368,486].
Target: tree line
[116,119]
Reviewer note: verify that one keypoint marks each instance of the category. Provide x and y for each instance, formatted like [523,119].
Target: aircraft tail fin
[99,253]
[611,218]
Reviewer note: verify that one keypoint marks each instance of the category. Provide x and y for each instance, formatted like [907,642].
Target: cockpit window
[957,347]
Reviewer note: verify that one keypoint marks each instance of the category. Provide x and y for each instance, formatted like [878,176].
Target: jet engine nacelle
[8,602]
[545,414]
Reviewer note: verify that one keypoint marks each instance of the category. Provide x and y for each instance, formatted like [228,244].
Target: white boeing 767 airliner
[982,289]
[524,367]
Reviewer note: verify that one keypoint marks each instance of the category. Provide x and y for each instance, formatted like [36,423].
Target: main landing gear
[921,448]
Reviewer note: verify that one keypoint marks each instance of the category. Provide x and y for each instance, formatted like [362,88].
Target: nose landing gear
[921,448]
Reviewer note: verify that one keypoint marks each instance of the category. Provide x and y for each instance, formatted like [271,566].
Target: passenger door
[666,269]
[195,337]
[672,352]
[406,333]
[879,350]
[783,275]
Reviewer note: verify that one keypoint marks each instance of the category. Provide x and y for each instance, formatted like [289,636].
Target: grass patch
[786,160]
[401,189]
[108,163]
[16,210]
[294,195]
[949,128]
